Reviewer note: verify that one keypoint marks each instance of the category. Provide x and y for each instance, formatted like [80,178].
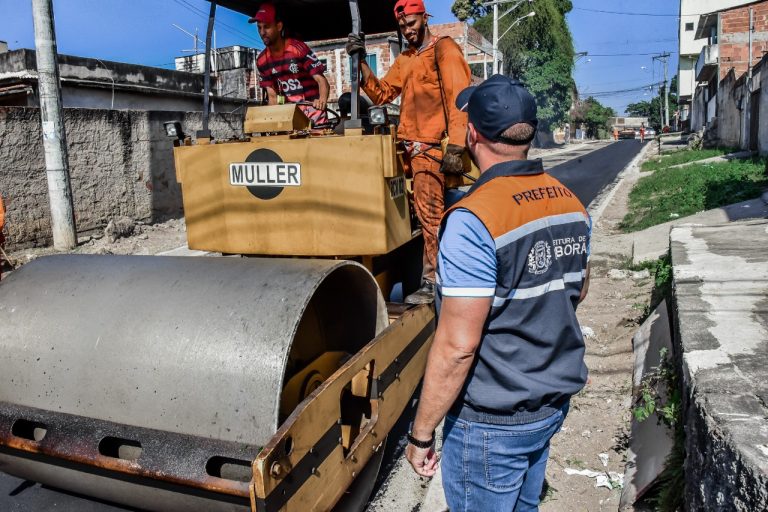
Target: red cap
[407,7]
[265,14]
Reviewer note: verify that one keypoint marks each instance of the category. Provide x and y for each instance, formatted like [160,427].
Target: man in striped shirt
[508,352]
[289,70]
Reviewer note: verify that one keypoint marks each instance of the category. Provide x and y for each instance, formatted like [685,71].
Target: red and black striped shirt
[291,75]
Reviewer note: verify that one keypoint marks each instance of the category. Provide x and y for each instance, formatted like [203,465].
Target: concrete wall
[728,113]
[762,141]
[121,164]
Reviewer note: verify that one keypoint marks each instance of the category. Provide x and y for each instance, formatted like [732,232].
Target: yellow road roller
[266,380]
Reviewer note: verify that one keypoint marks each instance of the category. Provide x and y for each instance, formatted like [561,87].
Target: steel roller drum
[169,367]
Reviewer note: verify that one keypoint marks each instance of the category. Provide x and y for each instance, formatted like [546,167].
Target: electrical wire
[624,91]
[227,28]
[632,13]
[621,54]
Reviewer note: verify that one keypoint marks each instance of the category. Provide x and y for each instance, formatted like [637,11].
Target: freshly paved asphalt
[585,170]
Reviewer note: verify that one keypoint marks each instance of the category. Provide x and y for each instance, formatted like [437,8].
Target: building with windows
[384,48]
[691,46]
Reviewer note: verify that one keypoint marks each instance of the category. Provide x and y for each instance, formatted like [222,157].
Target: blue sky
[141,31]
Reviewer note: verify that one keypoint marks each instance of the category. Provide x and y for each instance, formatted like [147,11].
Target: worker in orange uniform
[615,133]
[642,133]
[428,77]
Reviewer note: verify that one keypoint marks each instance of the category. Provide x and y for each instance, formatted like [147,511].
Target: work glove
[356,44]
[452,161]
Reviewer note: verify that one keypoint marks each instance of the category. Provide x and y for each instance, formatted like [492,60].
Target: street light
[496,18]
[517,22]
[112,105]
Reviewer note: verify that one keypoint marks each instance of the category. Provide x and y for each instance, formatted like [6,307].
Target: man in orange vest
[428,77]
[508,351]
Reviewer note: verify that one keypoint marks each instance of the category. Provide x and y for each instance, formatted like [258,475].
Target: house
[728,93]
[95,83]
[384,48]
[691,47]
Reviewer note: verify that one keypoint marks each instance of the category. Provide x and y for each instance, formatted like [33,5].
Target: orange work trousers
[429,203]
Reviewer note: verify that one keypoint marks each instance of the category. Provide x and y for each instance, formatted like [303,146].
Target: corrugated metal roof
[323,19]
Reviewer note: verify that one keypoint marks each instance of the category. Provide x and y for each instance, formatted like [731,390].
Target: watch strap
[420,444]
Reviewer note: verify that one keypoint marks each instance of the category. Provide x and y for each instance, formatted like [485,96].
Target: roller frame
[316,470]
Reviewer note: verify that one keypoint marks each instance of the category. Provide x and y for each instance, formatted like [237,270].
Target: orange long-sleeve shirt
[413,76]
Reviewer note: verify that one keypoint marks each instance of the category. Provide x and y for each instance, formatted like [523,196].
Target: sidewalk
[721,295]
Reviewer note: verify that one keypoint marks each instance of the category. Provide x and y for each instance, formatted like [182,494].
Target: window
[371,60]
[688,27]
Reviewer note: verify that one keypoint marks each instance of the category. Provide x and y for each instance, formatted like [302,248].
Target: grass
[671,193]
[683,157]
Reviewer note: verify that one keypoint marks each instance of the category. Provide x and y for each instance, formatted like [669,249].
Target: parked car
[650,133]
[628,133]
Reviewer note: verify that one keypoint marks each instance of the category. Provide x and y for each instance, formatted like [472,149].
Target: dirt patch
[119,238]
[598,423]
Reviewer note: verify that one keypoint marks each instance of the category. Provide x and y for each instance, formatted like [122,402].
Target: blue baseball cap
[496,104]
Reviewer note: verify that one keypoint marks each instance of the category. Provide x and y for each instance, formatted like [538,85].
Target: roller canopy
[312,20]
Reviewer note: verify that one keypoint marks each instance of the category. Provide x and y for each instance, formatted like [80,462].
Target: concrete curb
[597,210]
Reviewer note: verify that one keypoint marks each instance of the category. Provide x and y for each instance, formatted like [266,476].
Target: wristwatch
[421,444]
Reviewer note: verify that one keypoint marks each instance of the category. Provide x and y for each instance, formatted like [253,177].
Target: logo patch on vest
[540,258]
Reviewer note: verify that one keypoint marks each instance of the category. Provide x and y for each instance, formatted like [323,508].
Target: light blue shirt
[466,261]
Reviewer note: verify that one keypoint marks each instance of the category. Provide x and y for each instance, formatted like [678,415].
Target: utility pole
[495,38]
[54,136]
[496,18]
[664,57]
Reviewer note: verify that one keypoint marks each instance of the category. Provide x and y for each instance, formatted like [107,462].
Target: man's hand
[452,162]
[319,104]
[423,460]
[356,44]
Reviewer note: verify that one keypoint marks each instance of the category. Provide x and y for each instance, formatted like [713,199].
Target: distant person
[642,133]
[427,77]
[508,352]
[289,70]
[615,133]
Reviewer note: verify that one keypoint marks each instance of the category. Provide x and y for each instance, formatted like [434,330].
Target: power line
[654,14]
[624,91]
[631,13]
[227,28]
[621,54]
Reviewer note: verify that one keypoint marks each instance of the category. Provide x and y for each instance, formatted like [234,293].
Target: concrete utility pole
[54,136]
[496,18]
[664,57]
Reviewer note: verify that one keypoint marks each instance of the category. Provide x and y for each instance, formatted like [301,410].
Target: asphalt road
[586,170]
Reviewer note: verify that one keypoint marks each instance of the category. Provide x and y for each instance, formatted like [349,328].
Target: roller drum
[182,347]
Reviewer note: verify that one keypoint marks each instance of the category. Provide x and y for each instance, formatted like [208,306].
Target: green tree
[653,109]
[538,51]
[594,115]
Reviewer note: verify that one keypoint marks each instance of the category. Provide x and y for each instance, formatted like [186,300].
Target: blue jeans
[496,468]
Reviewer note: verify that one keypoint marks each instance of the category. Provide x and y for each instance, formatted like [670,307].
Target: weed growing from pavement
[668,194]
[666,495]
[683,157]
[661,394]
[661,272]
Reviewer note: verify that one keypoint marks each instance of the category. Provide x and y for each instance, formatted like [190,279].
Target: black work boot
[424,295]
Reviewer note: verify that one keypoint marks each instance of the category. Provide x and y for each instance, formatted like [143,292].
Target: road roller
[265,378]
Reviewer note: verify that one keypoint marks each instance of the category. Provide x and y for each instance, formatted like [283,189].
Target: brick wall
[734,38]
[385,48]
[337,60]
